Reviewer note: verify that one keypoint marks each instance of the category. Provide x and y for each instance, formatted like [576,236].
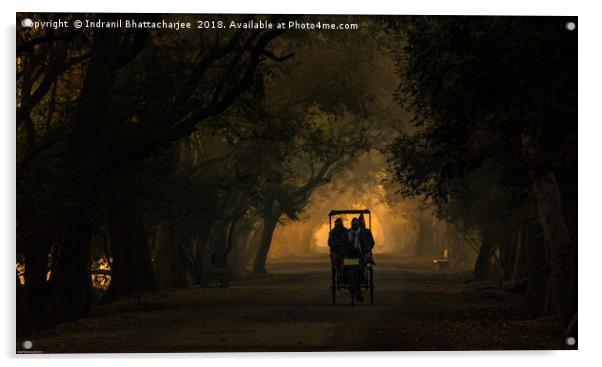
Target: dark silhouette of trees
[495,95]
[100,119]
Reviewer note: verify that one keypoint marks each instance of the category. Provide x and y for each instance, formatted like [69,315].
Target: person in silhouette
[367,242]
[357,241]
[336,243]
[355,237]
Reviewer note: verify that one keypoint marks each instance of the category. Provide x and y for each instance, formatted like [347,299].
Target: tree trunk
[223,245]
[483,263]
[537,269]
[562,282]
[201,244]
[178,275]
[131,268]
[519,268]
[70,285]
[424,240]
[236,255]
[562,254]
[253,241]
[270,222]
[170,267]
[507,253]
[162,261]
[457,248]
[216,238]
[31,314]
[232,242]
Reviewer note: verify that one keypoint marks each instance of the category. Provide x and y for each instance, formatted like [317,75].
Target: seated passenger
[368,242]
[336,242]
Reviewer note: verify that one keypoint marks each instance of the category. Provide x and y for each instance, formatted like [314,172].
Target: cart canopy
[349,211]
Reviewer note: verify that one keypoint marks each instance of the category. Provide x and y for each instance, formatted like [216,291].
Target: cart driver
[360,238]
[357,242]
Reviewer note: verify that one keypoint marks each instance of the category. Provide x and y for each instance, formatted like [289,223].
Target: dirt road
[290,310]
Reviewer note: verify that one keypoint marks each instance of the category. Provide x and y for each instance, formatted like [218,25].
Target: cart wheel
[333,287]
[371,275]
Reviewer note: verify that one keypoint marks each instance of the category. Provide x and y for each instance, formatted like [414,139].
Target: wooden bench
[442,264]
